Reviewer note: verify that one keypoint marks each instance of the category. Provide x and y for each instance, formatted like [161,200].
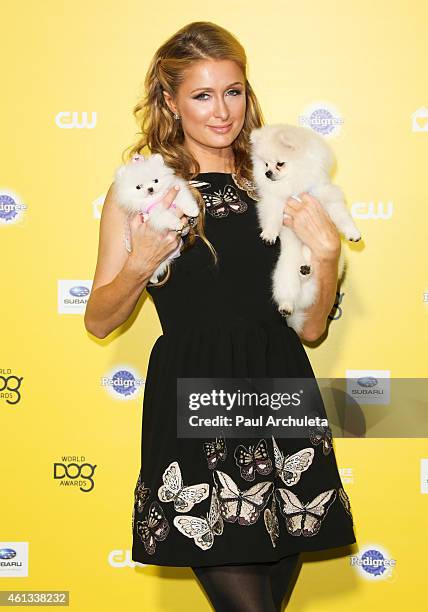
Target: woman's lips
[220,130]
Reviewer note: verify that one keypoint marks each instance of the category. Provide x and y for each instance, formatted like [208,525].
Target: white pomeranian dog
[141,184]
[288,160]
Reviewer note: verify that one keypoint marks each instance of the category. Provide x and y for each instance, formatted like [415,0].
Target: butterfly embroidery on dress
[321,434]
[141,495]
[271,522]
[215,451]
[153,528]
[290,468]
[202,529]
[345,500]
[252,460]
[222,201]
[304,519]
[184,497]
[246,185]
[239,506]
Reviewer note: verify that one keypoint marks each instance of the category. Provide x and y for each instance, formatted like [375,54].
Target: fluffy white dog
[288,160]
[141,184]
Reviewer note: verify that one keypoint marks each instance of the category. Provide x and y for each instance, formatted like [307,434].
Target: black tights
[253,587]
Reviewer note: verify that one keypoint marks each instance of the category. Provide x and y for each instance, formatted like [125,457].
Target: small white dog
[141,184]
[288,160]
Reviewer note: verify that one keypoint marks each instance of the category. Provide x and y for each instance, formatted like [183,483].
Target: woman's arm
[326,272]
[117,284]
[121,277]
[314,227]
[111,305]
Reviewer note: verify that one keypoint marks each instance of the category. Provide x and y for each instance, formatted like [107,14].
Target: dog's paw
[353,235]
[285,309]
[176,225]
[268,237]
[304,270]
[191,211]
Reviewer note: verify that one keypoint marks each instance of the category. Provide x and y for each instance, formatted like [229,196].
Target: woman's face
[212,95]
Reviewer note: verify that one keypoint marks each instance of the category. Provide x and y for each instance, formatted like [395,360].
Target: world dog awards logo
[74,471]
[374,563]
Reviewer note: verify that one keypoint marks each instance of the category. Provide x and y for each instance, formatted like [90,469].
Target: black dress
[219,501]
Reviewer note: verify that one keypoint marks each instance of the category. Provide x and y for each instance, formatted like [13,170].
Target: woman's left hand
[313,226]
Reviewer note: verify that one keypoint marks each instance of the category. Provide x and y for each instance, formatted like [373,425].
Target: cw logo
[370,210]
[70,120]
[73,471]
[122,558]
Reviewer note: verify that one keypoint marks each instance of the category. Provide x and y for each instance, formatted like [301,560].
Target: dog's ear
[119,172]
[158,157]
[284,139]
[255,135]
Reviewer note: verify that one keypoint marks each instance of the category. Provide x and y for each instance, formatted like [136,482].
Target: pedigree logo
[323,118]
[123,382]
[11,208]
[374,563]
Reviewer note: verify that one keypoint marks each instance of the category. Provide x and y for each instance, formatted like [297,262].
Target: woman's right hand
[150,247]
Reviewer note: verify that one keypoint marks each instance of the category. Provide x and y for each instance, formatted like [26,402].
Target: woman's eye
[280,164]
[199,96]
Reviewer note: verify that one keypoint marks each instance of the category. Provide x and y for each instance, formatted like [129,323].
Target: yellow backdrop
[71,404]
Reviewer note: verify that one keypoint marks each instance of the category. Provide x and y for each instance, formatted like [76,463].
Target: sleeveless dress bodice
[238,288]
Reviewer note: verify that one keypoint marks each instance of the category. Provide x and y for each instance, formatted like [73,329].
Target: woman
[218,320]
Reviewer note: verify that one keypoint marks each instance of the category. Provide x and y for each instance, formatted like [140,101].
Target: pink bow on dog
[137,158]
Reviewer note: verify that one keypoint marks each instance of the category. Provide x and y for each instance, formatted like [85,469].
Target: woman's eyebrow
[211,89]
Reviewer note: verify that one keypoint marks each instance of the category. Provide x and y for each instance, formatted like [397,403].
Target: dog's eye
[280,164]
[156,181]
[266,164]
[138,187]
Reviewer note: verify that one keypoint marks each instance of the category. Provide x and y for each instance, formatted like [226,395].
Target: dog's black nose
[150,189]
[268,174]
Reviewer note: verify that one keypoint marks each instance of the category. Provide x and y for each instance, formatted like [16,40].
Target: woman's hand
[150,247]
[313,226]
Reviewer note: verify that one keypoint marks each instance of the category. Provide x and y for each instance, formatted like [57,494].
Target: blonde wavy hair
[161,133]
